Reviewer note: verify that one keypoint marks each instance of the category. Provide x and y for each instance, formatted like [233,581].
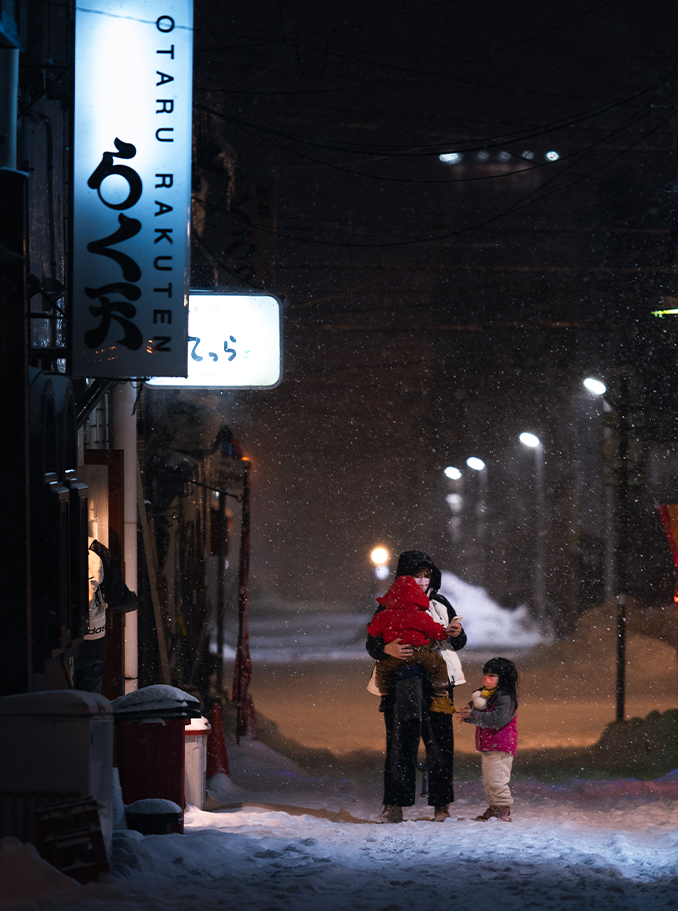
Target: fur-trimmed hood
[409,562]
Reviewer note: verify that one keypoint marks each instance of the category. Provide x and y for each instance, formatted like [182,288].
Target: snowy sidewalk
[621,855]
[593,845]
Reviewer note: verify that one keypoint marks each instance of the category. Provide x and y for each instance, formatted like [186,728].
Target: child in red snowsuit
[404,616]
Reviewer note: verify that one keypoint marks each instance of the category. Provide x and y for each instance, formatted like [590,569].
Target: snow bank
[25,875]
[487,623]
[291,632]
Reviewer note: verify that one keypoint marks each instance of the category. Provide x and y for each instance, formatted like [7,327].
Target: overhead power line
[528,200]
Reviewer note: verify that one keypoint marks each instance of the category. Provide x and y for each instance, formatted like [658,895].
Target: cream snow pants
[496,777]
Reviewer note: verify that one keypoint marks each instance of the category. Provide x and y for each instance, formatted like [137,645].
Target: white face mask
[423,582]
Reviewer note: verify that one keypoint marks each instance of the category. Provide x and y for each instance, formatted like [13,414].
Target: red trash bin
[149,743]
[151,760]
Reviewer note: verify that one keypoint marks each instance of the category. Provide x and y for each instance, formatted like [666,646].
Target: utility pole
[623,453]
[622,541]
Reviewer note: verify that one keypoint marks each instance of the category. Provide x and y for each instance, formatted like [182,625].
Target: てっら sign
[233,342]
[131,187]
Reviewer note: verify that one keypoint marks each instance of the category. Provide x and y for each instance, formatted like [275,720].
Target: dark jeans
[401,754]
[89,665]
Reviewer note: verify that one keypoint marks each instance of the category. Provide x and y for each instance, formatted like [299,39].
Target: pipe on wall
[9,91]
[124,436]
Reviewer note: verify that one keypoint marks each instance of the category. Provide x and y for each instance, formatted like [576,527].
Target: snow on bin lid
[198,726]
[153,806]
[55,702]
[160,700]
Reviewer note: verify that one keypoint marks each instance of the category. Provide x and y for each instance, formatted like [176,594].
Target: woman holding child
[422,616]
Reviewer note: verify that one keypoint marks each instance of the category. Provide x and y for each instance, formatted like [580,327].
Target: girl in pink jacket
[493,710]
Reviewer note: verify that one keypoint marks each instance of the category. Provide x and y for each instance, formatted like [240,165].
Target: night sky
[435,309]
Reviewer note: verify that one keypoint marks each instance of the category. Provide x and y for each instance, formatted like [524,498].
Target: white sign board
[233,342]
[131,186]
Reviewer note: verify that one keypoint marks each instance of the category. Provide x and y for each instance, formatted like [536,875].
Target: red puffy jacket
[404,615]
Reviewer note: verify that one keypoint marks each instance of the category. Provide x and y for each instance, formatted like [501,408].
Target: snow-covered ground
[308,631]
[286,840]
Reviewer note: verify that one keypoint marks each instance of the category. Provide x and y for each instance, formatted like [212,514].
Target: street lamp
[455,501]
[534,443]
[594,386]
[379,557]
[478,465]
[529,440]
[597,388]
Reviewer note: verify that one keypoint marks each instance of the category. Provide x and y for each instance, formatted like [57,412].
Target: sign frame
[200,353]
[131,197]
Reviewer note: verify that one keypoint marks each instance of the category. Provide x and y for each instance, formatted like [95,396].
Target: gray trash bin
[57,745]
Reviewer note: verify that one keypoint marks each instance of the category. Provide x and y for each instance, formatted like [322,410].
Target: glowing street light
[452,473]
[475,464]
[594,386]
[529,440]
[379,555]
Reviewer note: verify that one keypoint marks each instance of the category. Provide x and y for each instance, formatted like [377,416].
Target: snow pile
[25,875]
[487,623]
[221,787]
[152,806]
[261,772]
[291,632]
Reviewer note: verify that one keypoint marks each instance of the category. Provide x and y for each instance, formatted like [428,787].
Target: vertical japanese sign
[132,187]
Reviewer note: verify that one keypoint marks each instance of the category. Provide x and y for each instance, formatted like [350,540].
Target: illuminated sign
[131,187]
[233,342]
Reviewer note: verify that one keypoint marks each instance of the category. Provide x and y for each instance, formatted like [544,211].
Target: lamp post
[455,501]
[597,388]
[534,443]
[478,465]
